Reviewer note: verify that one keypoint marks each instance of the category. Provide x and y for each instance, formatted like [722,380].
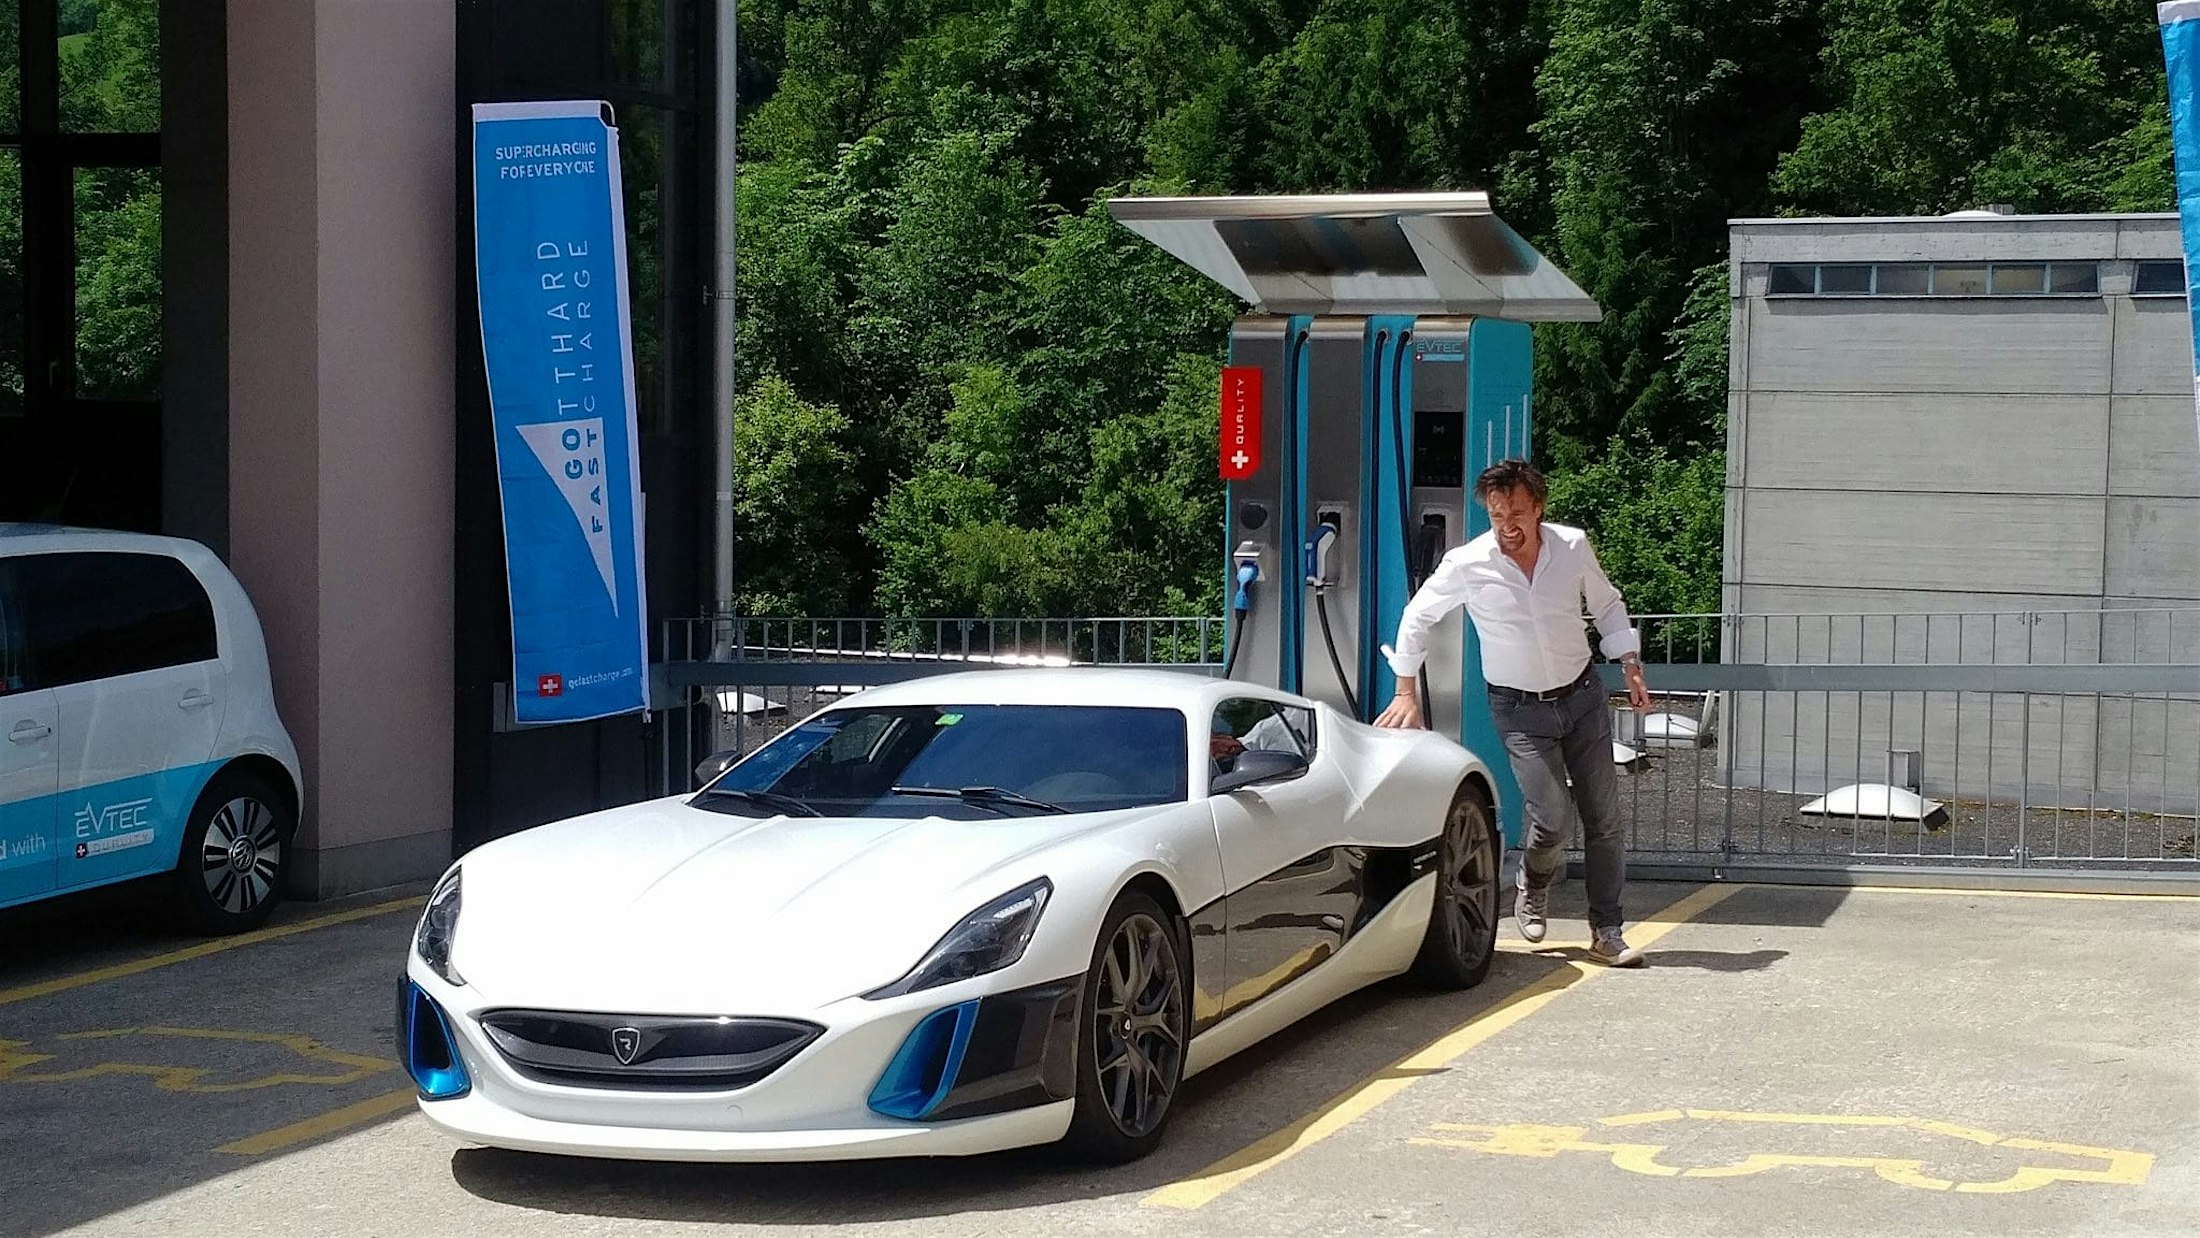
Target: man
[1524,583]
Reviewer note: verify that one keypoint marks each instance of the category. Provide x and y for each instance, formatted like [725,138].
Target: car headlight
[439,928]
[988,939]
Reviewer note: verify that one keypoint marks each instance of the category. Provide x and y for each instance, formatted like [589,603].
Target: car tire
[1461,941]
[235,854]
[1130,1062]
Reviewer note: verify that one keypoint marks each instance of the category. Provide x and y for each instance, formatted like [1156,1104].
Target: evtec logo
[93,822]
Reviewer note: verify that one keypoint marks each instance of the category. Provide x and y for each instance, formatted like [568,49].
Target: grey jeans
[1547,741]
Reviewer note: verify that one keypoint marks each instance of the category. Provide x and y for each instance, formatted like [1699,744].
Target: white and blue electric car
[138,730]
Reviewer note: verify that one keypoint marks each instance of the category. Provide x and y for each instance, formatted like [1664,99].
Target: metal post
[719,295]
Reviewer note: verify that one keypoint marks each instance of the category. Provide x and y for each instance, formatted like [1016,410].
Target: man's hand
[1404,712]
[1638,692]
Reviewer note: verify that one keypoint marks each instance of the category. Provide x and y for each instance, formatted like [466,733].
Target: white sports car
[951,916]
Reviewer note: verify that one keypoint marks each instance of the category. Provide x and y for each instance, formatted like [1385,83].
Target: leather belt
[1556,694]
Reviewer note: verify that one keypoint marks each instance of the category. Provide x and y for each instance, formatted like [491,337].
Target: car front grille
[645,1052]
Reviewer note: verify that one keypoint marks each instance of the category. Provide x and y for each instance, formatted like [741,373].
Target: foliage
[1939,105]
[791,479]
[964,389]
[1655,521]
[1028,390]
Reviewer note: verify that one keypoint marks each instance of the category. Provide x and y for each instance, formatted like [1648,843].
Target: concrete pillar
[341,287]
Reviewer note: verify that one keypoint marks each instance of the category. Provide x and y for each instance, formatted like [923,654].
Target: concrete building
[242,311]
[1981,413]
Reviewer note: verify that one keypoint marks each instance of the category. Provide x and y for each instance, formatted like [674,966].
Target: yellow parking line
[1227,1174]
[47,988]
[326,1124]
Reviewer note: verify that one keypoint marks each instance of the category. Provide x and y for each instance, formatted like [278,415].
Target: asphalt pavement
[1790,1061]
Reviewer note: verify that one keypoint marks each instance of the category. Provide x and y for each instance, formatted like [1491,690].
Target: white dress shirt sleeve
[1439,595]
[1607,609]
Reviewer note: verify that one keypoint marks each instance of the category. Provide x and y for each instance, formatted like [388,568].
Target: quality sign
[1240,422]
[550,268]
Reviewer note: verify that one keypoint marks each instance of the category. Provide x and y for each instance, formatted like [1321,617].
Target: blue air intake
[426,1046]
[924,1068]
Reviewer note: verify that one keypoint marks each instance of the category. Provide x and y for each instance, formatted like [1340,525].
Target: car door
[126,642]
[29,764]
[1292,891]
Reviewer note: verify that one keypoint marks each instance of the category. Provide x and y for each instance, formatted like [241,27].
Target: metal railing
[2031,739]
[2022,739]
[730,685]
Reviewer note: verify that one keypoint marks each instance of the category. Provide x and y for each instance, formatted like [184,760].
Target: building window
[1937,279]
[1848,280]
[1904,279]
[1960,280]
[1789,279]
[2158,277]
[2075,278]
[81,266]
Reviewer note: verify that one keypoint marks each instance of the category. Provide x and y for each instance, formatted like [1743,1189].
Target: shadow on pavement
[1258,1092]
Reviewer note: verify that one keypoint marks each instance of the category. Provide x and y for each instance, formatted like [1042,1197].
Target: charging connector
[1321,574]
[1246,564]
[1246,561]
[1320,570]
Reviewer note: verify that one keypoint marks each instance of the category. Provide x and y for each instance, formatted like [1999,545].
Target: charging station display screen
[1439,448]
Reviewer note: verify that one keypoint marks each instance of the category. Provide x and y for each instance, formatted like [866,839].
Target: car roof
[1189,690]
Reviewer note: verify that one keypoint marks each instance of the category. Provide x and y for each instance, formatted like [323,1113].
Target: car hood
[662,908]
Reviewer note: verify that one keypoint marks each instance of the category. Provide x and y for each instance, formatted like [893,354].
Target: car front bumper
[478,1119]
[956,1071]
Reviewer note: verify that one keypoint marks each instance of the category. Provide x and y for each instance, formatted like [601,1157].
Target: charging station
[1386,361]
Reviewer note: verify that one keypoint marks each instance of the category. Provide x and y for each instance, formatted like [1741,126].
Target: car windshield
[965,761]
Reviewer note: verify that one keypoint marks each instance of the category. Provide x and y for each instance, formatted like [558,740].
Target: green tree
[1028,389]
[1656,519]
[1939,105]
[793,478]
[1661,119]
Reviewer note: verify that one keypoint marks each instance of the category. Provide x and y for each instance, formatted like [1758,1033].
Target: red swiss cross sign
[1240,422]
[550,685]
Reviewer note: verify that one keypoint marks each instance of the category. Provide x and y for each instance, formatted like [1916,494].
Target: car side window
[859,741]
[14,676]
[1247,722]
[94,615]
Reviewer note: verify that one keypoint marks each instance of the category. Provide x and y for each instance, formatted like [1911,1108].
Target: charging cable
[1317,575]
[1248,571]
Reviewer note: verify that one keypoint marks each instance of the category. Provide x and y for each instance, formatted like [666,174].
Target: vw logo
[625,1043]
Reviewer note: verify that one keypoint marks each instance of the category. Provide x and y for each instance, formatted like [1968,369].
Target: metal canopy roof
[1407,253]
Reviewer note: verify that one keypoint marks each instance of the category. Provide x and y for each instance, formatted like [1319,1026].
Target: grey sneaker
[1530,906]
[1610,947]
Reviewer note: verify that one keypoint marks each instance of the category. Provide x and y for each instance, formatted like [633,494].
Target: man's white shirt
[1531,631]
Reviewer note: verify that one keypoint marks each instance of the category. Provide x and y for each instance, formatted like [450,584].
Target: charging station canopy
[1408,253]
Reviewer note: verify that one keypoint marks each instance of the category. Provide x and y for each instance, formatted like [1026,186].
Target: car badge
[625,1043]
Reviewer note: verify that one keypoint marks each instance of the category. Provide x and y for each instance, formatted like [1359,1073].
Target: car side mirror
[713,765]
[1257,765]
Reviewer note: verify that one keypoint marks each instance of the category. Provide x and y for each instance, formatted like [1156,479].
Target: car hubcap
[1470,886]
[242,855]
[1137,1024]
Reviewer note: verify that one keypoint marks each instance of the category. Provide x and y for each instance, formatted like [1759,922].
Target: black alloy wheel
[1135,1033]
[1462,931]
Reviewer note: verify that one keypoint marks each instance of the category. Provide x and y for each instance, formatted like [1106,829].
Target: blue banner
[550,263]
[2181,49]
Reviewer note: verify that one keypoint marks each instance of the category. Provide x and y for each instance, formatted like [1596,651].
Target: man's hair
[1505,475]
